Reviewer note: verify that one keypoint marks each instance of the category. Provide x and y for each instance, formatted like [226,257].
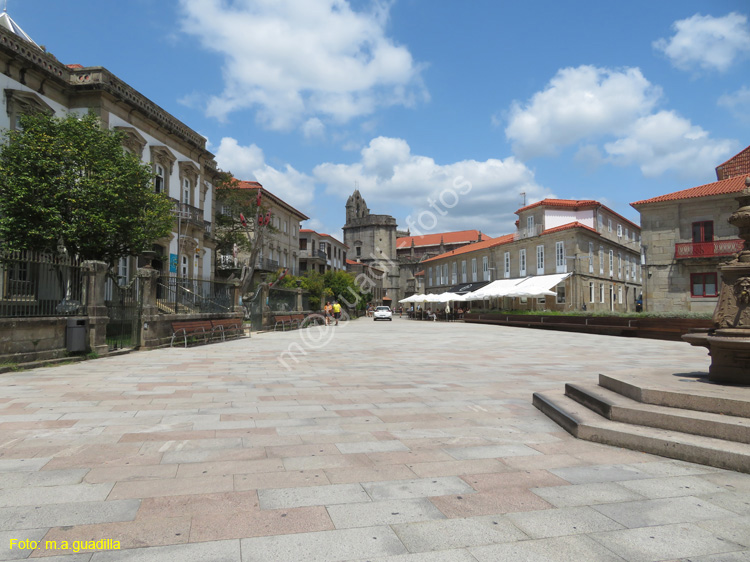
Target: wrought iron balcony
[713,249]
[264,264]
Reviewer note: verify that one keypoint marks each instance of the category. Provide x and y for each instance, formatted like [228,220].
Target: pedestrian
[328,309]
[336,312]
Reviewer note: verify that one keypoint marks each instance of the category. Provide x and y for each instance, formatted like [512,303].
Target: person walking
[336,312]
[328,310]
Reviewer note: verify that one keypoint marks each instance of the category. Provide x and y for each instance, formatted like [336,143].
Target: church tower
[372,241]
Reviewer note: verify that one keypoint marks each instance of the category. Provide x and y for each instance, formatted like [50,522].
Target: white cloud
[667,142]
[706,42]
[296,59]
[579,103]
[313,128]
[738,103]
[247,163]
[611,117]
[456,196]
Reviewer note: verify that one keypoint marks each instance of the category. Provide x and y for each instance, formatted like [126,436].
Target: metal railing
[181,295]
[34,284]
[264,264]
[708,249]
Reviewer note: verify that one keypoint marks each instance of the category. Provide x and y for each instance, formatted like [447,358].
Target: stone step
[585,424]
[702,397]
[616,407]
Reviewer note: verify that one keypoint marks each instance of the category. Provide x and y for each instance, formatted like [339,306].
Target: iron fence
[34,284]
[181,295]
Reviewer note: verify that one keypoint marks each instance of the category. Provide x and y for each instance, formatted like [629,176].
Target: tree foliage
[338,285]
[238,224]
[69,179]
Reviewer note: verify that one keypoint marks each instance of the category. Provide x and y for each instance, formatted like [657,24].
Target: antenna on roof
[523,194]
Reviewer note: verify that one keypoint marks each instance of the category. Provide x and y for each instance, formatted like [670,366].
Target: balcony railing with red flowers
[708,249]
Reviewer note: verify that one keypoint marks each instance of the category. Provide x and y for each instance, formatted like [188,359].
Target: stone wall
[32,339]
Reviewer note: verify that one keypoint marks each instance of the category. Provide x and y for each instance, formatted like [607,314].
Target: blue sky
[441,112]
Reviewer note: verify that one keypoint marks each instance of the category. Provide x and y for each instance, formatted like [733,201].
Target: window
[358,251]
[611,263]
[627,268]
[601,260]
[454,275]
[186,191]
[159,180]
[561,294]
[507,265]
[601,293]
[591,257]
[592,295]
[285,227]
[463,271]
[540,260]
[609,225]
[429,277]
[619,294]
[485,268]
[703,285]
[522,263]
[473,270]
[560,257]
[445,274]
[123,271]
[619,265]
[530,225]
[703,232]
[634,267]
[619,231]
[626,235]
[184,268]
[600,221]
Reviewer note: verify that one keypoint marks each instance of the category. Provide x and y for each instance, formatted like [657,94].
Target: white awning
[499,288]
[535,286]
[539,286]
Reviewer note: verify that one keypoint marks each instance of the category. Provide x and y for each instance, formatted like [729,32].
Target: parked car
[382,313]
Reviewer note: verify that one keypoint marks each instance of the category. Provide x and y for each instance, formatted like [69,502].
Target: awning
[464,288]
[539,286]
[499,288]
[535,286]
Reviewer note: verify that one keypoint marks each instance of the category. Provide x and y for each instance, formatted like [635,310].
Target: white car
[382,313]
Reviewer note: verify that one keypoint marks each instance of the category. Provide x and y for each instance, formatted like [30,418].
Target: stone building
[596,249]
[686,236]
[35,81]
[281,244]
[372,241]
[320,252]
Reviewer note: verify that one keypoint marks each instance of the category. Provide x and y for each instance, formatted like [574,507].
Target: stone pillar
[149,336]
[298,308]
[98,318]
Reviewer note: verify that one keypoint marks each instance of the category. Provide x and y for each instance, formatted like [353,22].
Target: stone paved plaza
[393,441]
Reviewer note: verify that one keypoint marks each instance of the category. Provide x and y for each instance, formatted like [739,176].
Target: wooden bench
[226,326]
[298,319]
[185,328]
[283,321]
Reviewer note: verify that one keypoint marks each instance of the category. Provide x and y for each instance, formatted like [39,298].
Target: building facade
[597,247]
[686,237]
[320,252]
[280,248]
[35,81]
[371,240]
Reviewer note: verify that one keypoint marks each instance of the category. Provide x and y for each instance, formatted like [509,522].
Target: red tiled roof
[458,237]
[737,165]
[568,226]
[567,203]
[419,273]
[74,66]
[731,185]
[491,243]
[254,185]
[322,234]
[575,204]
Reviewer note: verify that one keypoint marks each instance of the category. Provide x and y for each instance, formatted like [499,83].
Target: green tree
[70,180]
